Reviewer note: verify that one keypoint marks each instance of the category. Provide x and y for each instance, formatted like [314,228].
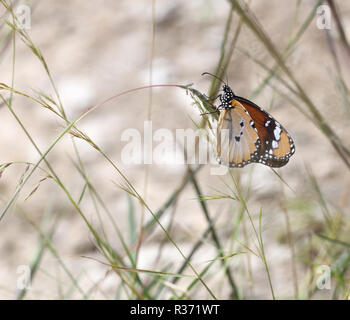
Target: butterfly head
[228,95]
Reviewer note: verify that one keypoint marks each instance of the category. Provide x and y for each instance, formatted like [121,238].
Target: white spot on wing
[277,133]
[274,144]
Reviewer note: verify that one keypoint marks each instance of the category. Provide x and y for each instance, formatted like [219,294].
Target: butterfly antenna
[226,75]
[224,71]
[213,75]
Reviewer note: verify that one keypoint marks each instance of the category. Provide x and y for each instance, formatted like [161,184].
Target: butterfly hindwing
[277,146]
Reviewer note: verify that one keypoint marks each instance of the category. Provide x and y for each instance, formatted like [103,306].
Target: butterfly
[246,134]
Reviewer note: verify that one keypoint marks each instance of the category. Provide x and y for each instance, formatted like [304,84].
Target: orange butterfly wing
[277,145]
[237,140]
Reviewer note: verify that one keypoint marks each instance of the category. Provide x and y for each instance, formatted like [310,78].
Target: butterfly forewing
[238,142]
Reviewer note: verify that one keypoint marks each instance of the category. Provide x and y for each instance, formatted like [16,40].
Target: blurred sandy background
[97,49]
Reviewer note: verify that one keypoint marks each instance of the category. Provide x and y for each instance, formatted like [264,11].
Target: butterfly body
[246,134]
